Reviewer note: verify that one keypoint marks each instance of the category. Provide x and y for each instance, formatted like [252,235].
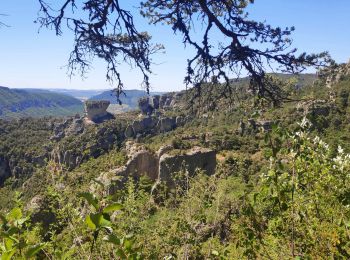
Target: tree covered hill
[280,189]
[17,103]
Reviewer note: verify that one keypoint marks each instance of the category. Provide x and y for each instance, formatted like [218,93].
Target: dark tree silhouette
[2,24]
[247,47]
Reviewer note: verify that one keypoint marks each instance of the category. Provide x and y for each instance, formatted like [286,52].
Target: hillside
[17,103]
[272,182]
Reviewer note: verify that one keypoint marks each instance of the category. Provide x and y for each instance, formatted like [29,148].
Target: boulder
[140,163]
[315,108]
[96,110]
[164,149]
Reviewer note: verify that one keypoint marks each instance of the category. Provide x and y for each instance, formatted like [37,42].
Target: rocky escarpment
[71,126]
[149,105]
[333,74]
[95,140]
[158,167]
[196,158]
[154,124]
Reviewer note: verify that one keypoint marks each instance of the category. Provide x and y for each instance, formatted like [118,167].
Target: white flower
[304,123]
[340,150]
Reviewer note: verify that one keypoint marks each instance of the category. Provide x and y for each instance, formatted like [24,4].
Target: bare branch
[236,52]
[109,33]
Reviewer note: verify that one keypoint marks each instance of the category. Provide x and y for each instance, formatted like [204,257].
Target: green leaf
[112,239]
[8,244]
[112,207]
[14,214]
[90,223]
[32,251]
[8,255]
[91,199]
[121,254]
[99,220]
[128,244]
[19,222]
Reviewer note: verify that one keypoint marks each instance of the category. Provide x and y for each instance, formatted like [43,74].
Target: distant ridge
[17,103]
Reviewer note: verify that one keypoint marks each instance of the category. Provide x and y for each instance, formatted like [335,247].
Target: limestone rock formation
[166,124]
[96,110]
[71,126]
[158,167]
[145,105]
[196,158]
[315,107]
[148,105]
[153,124]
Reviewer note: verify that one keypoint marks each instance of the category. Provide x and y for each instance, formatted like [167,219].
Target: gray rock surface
[145,105]
[96,110]
[196,158]
[166,124]
[159,167]
[129,132]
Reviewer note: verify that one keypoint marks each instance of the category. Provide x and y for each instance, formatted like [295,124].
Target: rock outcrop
[196,158]
[158,167]
[96,110]
[252,126]
[333,74]
[72,126]
[153,124]
[148,105]
[315,108]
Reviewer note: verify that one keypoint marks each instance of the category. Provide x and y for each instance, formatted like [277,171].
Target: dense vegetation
[278,193]
[17,103]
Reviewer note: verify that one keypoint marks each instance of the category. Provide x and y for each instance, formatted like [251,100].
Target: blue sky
[32,59]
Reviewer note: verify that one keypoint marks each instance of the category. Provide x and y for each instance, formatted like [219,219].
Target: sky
[29,58]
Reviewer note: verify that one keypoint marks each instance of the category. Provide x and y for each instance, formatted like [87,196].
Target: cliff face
[158,167]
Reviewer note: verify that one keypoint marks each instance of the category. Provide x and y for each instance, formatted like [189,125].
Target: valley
[170,169]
